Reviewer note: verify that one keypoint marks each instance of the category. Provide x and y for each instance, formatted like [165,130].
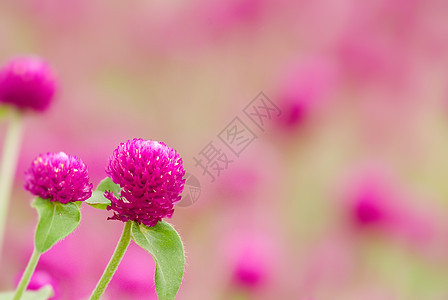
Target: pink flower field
[310,137]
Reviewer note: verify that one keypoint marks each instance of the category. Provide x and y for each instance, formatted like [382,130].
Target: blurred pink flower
[251,257]
[370,203]
[374,199]
[304,89]
[27,83]
[249,270]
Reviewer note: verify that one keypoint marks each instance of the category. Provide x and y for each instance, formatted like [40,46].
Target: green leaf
[56,221]
[97,200]
[44,293]
[108,185]
[166,247]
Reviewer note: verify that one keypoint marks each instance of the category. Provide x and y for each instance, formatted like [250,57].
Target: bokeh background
[344,196]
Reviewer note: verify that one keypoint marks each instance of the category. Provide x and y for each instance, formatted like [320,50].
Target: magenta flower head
[150,175]
[27,83]
[58,177]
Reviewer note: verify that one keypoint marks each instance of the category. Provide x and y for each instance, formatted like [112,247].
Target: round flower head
[58,177]
[27,83]
[150,175]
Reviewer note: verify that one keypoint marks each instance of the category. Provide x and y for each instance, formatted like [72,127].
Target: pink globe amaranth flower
[27,83]
[150,175]
[58,177]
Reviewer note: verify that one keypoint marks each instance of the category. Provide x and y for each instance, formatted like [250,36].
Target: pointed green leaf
[108,185]
[56,221]
[166,247]
[97,200]
[44,293]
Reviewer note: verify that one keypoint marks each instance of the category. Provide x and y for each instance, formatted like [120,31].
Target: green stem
[114,262]
[8,166]
[26,277]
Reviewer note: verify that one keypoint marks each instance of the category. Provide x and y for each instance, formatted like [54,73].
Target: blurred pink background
[341,197]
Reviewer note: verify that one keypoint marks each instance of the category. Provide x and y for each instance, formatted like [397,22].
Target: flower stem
[8,166]
[26,277]
[114,262]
